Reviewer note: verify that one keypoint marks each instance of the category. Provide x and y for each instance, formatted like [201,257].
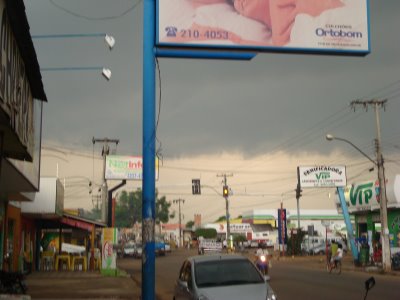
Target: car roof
[216,257]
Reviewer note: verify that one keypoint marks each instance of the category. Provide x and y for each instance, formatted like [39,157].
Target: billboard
[282,229]
[340,26]
[125,167]
[322,176]
[364,196]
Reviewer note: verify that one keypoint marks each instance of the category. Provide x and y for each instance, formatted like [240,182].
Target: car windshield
[226,272]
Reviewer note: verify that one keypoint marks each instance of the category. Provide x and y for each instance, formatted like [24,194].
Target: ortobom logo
[338,33]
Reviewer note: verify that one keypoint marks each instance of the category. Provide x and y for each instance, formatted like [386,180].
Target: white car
[138,251]
[129,249]
[221,277]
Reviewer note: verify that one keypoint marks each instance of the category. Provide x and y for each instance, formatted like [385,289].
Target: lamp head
[330,137]
[110,41]
[106,73]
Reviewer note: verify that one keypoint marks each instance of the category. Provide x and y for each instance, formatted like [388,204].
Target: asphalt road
[294,280]
[290,279]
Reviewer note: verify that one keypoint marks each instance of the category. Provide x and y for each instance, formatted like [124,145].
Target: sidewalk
[319,262]
[80,285]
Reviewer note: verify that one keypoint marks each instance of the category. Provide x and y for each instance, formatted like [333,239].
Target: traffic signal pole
[149,153]
[225,194]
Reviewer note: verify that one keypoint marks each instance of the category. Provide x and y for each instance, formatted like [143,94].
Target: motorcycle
[396,261]
[12,282]
[263,265]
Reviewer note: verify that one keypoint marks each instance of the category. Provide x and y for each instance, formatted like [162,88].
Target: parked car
[159,247]
[318,249]
[253,244]
[138,251]
[129,249]
[221,277]
[167,247]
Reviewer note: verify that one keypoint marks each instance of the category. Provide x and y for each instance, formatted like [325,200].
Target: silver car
[221,276]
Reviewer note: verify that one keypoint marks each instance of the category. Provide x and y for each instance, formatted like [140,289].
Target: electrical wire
[95,18]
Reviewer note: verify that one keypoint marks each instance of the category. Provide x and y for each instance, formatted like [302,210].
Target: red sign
[77,224]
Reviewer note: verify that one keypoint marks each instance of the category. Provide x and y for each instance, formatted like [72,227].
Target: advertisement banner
[333,26]
[125,167]
[322,176]
[109,238]
[282,229]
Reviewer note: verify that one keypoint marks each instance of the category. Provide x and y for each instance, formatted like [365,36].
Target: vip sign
[363,196]
[322,176]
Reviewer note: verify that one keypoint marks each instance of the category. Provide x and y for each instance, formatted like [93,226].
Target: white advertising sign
[364,196]
[267,25]
[322,176]
[125,167]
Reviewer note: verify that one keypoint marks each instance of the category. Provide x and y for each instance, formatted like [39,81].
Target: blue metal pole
[149,153]
[347,220]
[206,54]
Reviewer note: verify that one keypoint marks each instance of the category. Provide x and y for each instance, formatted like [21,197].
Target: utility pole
[225,193]
[104,190]
[298,195]
[386,260]
[180,219]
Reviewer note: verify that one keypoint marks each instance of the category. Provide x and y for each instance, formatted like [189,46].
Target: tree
[128,209]
[162,210]
[207,233]
[294,243]
[190,224]
[221,219]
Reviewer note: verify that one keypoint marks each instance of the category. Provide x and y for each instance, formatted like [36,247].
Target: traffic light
[225,191]
[196,190]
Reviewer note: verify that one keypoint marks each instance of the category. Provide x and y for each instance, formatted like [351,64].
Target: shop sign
[16,99]
[108,240]
[322,176]
[125,167]
[282,229]
[365,196]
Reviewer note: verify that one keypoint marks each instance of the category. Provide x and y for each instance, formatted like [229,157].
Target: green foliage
[294,243]
[189,224]
[239,238]
[94,214]
[162,210]
[221,219]
[207,233]
[128,209]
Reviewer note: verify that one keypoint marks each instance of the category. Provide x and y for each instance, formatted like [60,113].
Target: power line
[68,11]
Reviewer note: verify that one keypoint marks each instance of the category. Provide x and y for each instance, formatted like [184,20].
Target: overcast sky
[274,104]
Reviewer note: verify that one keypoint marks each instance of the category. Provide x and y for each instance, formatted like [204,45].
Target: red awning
[77,223]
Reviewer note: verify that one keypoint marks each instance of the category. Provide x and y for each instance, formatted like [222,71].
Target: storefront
[21,103]
[363,201]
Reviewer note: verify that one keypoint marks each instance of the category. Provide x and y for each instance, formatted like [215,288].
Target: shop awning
[81,223]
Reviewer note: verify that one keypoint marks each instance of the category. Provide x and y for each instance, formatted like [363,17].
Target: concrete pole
[386,259]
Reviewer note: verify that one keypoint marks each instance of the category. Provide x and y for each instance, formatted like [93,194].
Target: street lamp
[386,262]
[109,40]
[330,137]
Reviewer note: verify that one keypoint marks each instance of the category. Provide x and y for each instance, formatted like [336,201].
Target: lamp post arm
[359,150]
